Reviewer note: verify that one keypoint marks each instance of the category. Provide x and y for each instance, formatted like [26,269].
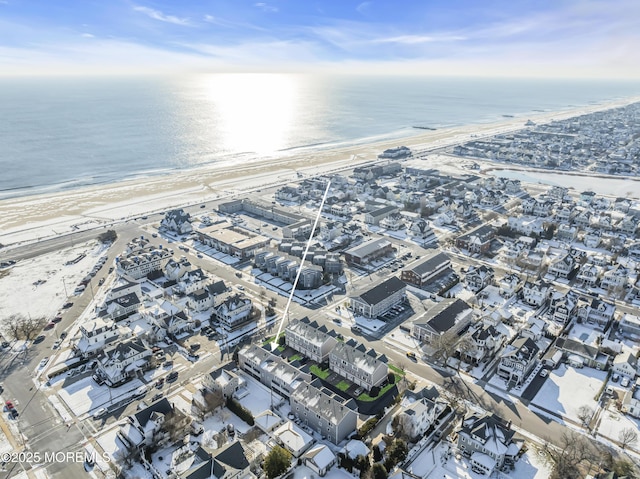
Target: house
[95,335]
[138,261]
[615,278]
[421,231]
[292,438]
[225,381]
[598,313]
[328,414]
[588,274]
[192,281]
[477,240]
[205,298]
[625,364]
[485,342]
[177,221]
[271,370]
[377,300]
[419,413]
[368,251]
[146,427]
[562,267]
[630,325]
[536,293]
[422,273]
[631,401]
[517,361]
[309,339]
[479,277]
[447,315]
[580,354]
[319,459]
[122,363]
[374,217]
[230,462]
[235,312]
[120,308]
[563,306]
[488,441]
[353,362]
[392,222]
[509,285]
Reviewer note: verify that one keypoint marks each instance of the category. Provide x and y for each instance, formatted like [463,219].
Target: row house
[425,271]
[536,293]
[479,277]
[488,442]
[353,362]
[235,312]
[122,363]
[517,361]
[271,370]
[379,299]
[310,340]
[326,413]
[448,315]
[205,298]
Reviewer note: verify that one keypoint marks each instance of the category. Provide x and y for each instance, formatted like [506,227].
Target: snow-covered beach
[35,217]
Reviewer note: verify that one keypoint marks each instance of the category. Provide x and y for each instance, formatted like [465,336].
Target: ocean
[64,133]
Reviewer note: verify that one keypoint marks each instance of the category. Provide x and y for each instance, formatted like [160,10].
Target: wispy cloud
[418,39]
[265,7]
[363,7]
[162,17]
[88,35]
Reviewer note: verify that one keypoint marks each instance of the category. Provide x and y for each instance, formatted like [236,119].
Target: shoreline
[32,217]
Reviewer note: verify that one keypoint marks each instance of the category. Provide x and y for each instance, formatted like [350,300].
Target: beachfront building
[138,261]
[376,301]
[309,339]
[328,414]
[177,221]
[368,251]
[353,362]
[232,240]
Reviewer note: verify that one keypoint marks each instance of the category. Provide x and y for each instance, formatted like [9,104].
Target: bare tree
[174,424]
[252,434]
[585,413]
[19,326]
[212,400]
[571,451]
[627,436]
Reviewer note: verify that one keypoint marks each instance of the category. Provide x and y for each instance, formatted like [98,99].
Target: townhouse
[353,362]
[309,339]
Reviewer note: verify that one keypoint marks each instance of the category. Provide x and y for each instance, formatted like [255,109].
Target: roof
[577,347]
[430,264]
[331,408]
[443,315]
[382,291]
[309,331]
[368,247]
[321,456]
[233,456]
[491,430]
[163,406]
[358,356]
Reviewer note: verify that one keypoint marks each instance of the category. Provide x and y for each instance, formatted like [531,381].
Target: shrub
[240,411]
[368,426]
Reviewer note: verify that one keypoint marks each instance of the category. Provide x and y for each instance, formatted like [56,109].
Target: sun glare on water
[254,112]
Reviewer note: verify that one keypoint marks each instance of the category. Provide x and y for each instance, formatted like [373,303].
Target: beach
[32,218]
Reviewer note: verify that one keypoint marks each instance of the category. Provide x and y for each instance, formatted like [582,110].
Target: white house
[625,364]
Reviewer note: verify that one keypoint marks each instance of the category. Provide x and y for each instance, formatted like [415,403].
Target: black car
[67,305]
[171,377]
[63,334]
[39,339]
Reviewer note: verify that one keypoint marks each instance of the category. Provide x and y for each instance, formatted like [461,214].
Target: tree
[108,236]
[363,464]
[627,436]
[377,454]
[396,453]
[571,451]
[585,413]
[378,471]
[174,425]
[19,326]
[212,400]
[277,462]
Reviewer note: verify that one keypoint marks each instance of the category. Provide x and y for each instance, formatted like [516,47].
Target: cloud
[363,7]
[162,17]
[88,35]
[417,39]
[265,7]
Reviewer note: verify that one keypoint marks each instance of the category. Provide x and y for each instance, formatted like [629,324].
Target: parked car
[624,382]
[167,364]
[56,344]
[160,383]
[8,405]
[544,373]
[99,413]
[63,334]
[194,347]
[43,362]
[172,376]
[57,319]
[39,339]
[101,282]
[156,397]
[49,325]
[67,305]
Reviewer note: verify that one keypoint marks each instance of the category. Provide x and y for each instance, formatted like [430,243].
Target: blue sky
[581,38]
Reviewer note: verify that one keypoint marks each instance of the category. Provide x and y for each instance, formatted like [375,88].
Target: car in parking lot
[99,413]
[43,362]
[544,373]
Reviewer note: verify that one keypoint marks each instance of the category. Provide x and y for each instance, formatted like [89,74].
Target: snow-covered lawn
[259,398]
[37,286]
[435,462]
[613,422]
[567,389]
[86,395]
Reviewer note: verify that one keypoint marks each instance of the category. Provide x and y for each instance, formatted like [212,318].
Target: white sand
[29,218]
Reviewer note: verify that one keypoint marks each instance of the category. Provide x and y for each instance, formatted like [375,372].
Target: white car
[624,382]
[544,373]
[99,413]
[43,362]
[56,344]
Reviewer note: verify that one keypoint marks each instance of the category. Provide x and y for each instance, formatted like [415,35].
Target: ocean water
[62,133]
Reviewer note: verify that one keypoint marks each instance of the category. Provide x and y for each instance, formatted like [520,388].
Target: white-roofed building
[319,459]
